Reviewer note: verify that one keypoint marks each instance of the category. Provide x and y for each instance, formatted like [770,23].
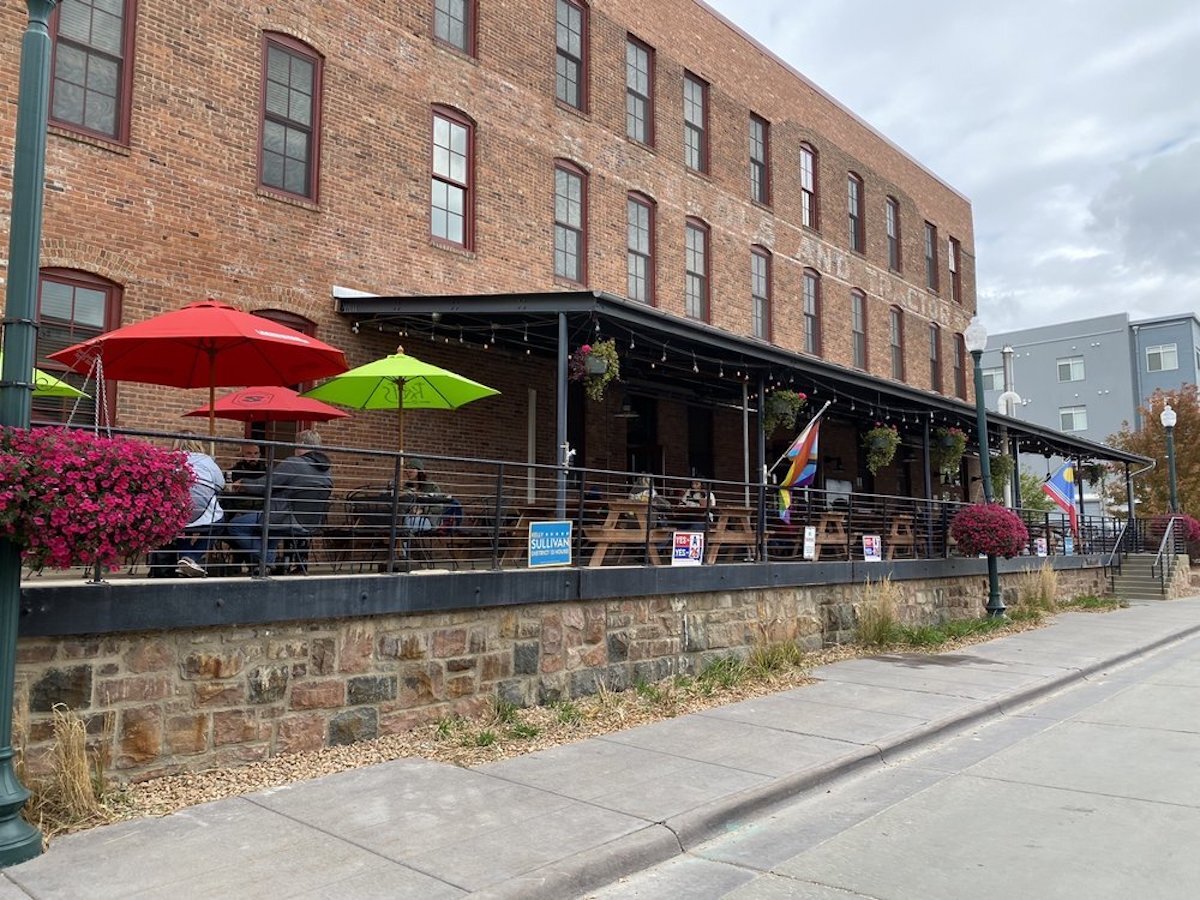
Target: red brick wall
[177,216]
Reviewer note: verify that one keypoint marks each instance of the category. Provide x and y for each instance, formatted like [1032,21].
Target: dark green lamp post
[19,840]
[975,339]
[1168,418]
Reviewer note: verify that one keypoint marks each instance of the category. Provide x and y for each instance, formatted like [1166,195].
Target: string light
[664,354]
[721,371]
[695,368]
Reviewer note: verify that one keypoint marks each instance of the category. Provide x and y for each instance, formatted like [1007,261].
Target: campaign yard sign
[872,548]
[687,548]
[549,544]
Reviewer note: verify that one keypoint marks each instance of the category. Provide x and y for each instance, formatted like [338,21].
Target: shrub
[989,528]
[71,498]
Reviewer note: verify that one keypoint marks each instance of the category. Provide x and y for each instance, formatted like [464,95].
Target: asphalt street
[1093,793]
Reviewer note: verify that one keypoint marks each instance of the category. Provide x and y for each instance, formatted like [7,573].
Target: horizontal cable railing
[376,511]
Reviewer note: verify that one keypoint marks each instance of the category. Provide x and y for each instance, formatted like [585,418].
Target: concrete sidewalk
[567,820]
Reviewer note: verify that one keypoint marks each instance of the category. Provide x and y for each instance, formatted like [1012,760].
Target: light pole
[975,339]
[1168,419]
[19,840]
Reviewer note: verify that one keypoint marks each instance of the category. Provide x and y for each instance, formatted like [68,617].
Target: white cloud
[1073,127]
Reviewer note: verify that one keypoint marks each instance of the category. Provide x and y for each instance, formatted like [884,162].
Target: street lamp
[1168,419]
[975,340]
[19,840]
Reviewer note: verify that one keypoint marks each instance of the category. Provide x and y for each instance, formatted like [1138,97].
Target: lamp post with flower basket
[975,339]
[19,840]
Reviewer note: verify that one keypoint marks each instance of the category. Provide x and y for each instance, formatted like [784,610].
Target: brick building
[652,155]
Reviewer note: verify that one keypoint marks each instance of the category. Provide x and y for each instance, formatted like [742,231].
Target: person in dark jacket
[300,489]
[248,466]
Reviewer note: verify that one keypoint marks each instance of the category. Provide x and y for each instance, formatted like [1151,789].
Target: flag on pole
[1061,489]
[803,470]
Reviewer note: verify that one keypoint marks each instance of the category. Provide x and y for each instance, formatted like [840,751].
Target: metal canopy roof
[666,355]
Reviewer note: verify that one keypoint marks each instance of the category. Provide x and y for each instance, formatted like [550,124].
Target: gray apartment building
[1089,376]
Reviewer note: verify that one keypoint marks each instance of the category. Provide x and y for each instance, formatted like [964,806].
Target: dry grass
[1037,593]
[69,796]
[505,732]
[877,622]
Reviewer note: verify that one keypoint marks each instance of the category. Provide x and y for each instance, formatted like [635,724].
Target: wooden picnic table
[625,526]
[734,529]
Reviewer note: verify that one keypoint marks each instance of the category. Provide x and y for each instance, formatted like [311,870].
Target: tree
[1032,495]
[1151,490]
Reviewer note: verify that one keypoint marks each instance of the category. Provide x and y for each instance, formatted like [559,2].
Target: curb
[659,842]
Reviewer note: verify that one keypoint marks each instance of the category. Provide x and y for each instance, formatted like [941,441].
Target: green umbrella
[46,385]
[400,382]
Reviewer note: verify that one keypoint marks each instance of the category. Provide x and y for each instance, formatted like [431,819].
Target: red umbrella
[206,344]
[270,404]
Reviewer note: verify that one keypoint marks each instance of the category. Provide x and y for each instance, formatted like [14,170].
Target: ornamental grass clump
[71,498]
[989,528]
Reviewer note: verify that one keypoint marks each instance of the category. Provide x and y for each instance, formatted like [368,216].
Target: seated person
[300,489]
[643,491]
[187,553]
[248,465]
[695,497]
[421,506]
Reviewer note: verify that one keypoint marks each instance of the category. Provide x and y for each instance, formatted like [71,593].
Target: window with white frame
[1070,368]
[1072,418]
[1162,358]
[993,379]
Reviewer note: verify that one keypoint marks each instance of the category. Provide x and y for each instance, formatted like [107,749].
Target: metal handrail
[1160,564]
[1118,551]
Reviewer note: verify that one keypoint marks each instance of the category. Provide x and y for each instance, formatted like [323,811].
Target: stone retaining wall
[195,699]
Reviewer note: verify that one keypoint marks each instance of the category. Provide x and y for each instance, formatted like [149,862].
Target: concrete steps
[1135,581]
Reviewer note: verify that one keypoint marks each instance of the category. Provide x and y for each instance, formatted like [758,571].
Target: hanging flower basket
[781,409]
[70,498]
[949,444]
[989,528]
[596,365]
[1002,469]
[880,443]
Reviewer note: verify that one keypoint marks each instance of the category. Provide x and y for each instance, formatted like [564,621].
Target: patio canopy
[669,356]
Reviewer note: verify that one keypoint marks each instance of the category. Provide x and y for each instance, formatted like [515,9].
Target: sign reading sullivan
[549,544]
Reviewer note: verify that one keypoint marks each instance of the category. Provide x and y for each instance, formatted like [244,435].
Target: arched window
[92,87]
[809,198]
[760,292]
[697,266]
[73,306]
[854,204]
[812,312]
[570,221]
[291,116]
[452,185]
[858,328]
[639,236]
[571,54]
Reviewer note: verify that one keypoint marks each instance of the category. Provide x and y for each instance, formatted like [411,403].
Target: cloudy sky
[1072,125]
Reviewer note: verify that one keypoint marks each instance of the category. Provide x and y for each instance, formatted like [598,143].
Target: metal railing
[1169,548]
[472,513]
